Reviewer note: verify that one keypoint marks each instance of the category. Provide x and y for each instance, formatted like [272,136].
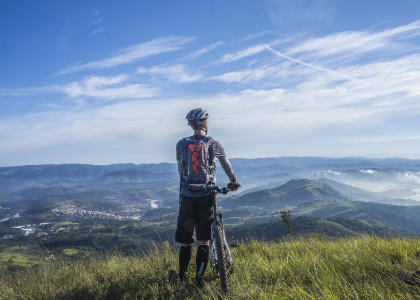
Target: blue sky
[106,82]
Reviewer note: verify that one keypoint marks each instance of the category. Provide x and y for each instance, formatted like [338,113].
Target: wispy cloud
[174,73]
[243,53]
[252,36]
[307,64]
[29,91]
[251,74]
[97,21]
[301,92]
[134,53]
[99,30]
[109,88]
[204,50]
[353,42]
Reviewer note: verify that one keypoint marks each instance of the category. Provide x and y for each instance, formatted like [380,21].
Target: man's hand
[234,185]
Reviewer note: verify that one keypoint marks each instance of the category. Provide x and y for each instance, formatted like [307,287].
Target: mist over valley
[49,209]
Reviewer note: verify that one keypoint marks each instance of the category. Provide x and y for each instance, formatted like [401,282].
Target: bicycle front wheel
[221,257]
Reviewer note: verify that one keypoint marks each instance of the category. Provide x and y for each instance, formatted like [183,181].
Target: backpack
[198,161]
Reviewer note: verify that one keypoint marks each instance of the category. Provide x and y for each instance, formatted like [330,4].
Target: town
[129,211]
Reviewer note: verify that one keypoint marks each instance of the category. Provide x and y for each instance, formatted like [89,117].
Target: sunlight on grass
[306,268]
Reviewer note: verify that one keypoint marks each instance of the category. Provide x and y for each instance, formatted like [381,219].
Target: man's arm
[178,158]
[224,162]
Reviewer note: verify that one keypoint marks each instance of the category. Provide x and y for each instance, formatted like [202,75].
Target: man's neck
[199,132]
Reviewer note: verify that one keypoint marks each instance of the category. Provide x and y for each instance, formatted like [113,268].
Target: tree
[285,218]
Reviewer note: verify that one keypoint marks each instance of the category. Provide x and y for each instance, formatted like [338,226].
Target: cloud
[30,91]
[109,88]
[97,21]
[87,134]
[204,50]
[250,75]
[282,122]
[252,36]
[353,42]
[307,64]
[243,53]
[175,73]
[134,53]
[313,102]
[99,30]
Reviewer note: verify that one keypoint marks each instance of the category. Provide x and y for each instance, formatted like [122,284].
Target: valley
[74,211]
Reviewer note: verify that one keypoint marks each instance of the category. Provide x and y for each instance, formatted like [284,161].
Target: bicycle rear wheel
[221,257]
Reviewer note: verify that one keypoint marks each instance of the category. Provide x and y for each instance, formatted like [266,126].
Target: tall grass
[306,268]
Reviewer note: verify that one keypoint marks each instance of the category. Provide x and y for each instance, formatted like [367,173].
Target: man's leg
[185,252]
[203,253]
[184,233]
[203,236]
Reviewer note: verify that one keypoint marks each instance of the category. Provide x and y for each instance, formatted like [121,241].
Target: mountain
[305,225]
[290,194]
[130,176]
[41,192]
[399,217]
[43,173]
[389,196]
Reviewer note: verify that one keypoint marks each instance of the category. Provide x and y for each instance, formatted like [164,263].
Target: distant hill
[44,173]
[134,176]
[358,194]
[40,192]
[399,217]
[292,193]
[304,225]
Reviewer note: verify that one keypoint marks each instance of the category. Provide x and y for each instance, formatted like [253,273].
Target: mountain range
[80,210]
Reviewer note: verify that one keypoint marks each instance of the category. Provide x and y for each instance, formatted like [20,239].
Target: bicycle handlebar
[223,190]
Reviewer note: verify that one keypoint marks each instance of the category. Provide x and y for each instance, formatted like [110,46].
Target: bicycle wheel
[221,257]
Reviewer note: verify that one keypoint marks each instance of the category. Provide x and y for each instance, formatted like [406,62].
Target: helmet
[197,116]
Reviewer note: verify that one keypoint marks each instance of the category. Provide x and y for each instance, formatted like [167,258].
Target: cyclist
[196,206]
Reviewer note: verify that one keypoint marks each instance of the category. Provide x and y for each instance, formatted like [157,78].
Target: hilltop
[309,268]
[292,193]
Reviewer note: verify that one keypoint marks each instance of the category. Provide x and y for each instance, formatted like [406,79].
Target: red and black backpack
[198,162]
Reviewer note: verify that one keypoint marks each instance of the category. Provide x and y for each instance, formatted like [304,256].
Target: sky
[102,82]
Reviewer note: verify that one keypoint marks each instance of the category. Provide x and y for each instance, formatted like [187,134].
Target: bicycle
[220,256]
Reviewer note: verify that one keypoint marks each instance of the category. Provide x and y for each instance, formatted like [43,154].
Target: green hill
[303,225]
[292,193]
[400,217]
[309,268]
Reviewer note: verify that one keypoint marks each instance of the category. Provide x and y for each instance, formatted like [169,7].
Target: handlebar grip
[233,186]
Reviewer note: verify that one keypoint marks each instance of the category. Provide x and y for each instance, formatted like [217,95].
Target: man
[196,157]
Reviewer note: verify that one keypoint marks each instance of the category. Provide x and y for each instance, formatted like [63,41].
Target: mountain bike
[220,256]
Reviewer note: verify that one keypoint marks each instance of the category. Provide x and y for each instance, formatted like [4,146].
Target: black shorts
[194,213]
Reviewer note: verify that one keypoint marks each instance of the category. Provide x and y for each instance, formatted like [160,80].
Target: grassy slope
[311,268]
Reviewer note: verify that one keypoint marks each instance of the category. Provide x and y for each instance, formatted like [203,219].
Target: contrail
[308,65]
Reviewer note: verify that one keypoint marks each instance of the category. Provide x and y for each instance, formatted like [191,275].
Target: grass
[306,268]
[70,252]
[20,256]
[60,224]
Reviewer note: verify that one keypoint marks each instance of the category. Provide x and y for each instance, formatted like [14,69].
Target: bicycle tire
[221,258]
